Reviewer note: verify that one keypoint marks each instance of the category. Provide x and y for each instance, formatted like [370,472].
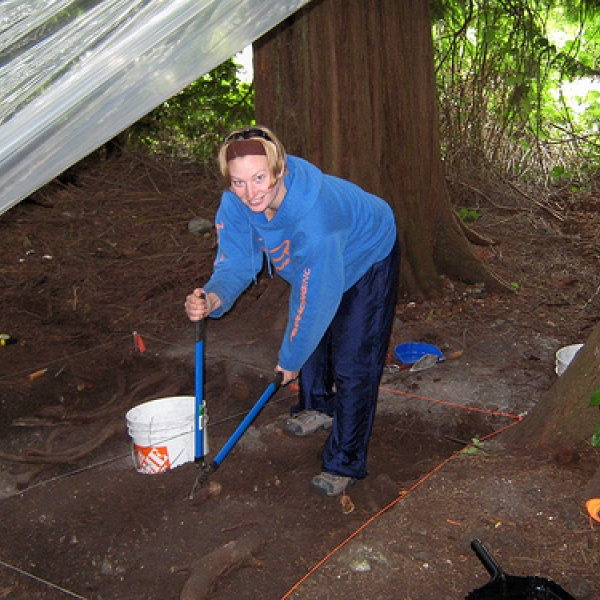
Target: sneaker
[307,422]
[331,485]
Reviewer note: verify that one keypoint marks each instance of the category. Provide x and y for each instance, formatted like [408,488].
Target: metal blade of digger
[425,362]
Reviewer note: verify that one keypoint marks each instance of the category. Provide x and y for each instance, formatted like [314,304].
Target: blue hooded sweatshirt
[324,237]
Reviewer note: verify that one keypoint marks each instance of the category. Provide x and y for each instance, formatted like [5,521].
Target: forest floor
[84,266]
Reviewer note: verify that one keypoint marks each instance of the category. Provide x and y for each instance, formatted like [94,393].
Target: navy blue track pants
[341,377]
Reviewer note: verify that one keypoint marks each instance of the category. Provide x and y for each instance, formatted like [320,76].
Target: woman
[336,246]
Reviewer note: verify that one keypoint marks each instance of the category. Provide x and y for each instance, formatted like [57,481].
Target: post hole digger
[201,437]
[513,587]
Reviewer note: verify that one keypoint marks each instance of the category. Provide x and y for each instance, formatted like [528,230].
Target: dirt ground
[85,266]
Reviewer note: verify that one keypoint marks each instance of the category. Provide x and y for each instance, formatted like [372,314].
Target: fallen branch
[486,197]
[588,302]
[536,202]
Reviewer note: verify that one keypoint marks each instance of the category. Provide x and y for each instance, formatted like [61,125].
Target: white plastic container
[163,433]
[564,357]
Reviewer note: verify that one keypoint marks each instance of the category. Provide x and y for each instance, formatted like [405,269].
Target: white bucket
[564,357]
[163,433]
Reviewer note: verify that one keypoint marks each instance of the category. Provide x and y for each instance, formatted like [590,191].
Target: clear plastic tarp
[74,73]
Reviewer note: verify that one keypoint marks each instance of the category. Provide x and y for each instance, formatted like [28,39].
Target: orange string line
[415,486]
[454,404]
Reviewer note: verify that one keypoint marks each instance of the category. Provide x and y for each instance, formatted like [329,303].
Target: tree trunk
[350,85]
[563,417]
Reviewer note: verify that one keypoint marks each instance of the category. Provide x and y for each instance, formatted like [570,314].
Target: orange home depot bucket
[163,433]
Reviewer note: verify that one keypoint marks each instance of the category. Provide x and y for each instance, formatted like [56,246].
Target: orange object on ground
[593,507]
[37,374]
[139,342]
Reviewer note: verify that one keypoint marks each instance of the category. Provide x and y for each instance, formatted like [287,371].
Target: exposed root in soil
[206,572]
[112,413]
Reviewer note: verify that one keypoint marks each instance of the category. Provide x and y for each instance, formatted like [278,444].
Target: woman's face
[251,183]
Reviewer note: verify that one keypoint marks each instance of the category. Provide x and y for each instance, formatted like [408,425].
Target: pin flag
[138,342]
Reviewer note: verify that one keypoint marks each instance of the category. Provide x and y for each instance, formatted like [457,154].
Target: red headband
[239,148]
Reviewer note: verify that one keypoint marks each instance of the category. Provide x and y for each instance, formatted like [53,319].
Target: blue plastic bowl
[410,352]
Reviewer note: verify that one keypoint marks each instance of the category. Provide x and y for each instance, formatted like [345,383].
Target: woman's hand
[288,376]
[199,304]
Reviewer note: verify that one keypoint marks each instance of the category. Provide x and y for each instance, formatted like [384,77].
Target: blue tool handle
[199,390]
[199,409]
[237,434]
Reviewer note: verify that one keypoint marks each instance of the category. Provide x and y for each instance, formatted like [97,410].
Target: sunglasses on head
[247,134]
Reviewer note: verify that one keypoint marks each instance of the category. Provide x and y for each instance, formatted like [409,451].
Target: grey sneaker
[307,422]
[331,485]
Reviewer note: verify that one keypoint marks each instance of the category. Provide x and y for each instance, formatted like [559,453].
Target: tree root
[23,480]
[549,210]
[117,404]
[112,413]
[206,571]
[35,456]
[475,238]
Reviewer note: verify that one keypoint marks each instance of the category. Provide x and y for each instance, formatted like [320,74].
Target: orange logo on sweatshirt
[280,256]
[303,293]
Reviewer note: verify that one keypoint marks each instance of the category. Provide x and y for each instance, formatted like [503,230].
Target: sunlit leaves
[501,70]
[193,123]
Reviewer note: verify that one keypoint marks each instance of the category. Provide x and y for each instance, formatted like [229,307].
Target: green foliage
[468,215]
[193,123]
[502,70]
[596,436]
[475,447]
[595,401]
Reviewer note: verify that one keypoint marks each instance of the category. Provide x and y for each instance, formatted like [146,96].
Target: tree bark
[563,417]
[350,85]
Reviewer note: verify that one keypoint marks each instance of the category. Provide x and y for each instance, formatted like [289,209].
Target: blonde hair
[274,151]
